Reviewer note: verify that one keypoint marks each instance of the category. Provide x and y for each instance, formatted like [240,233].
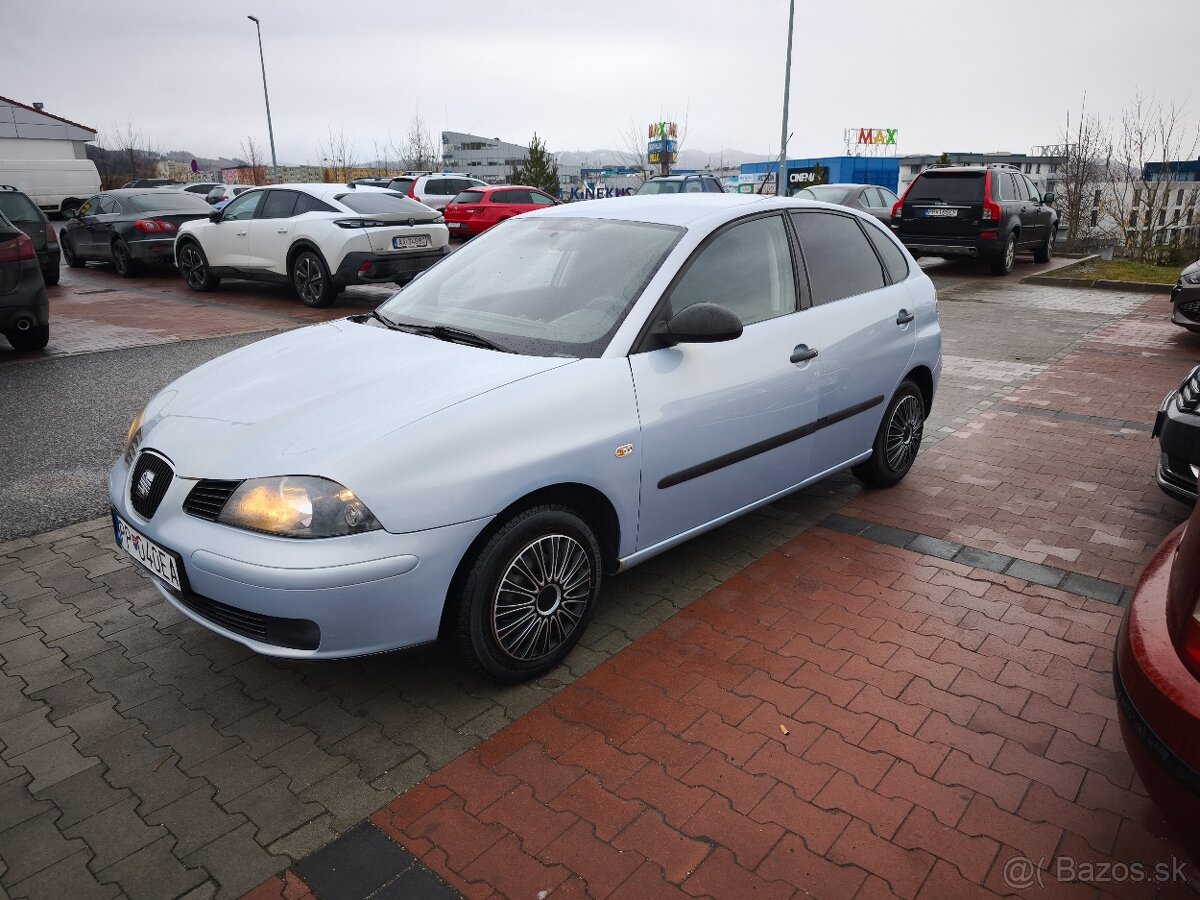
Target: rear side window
[469,197]
[278,205]
[381,202]
[893,257]
[956,187]
[541,199]
[1008,190]
[442,187]
[18,208]
[838,257]
[693,186]
[308,203]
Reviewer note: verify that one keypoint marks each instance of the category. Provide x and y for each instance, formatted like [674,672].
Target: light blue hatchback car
[569,394]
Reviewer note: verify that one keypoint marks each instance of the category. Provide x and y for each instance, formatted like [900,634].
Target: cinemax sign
[884,136]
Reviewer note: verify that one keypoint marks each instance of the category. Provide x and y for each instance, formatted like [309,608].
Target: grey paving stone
[274,809]
[845,524]
[233,773]
[1037,574]
[303,762]
[135,688]
[33,845]
[68,878]
[226,705]
[304,840]
[935,547]
[195,820]
[355,865]
[982,559]
[161,715]
[28,731]
[140,638]
[53,762]
[346,797]
[400,778]
[196,742]
[290,696]
[61,624]
[153,872]
[81,645]
[82,795]
[14,627]
[263,731]
[1097,589]
[24,650]
[96,723]
[160,611]
[69,697]
[885,534]
[236,862]
[329,722]
[42,673]
[13,700]
[115,833]
[150,772]
[113,619]
[95,600]
[17,805]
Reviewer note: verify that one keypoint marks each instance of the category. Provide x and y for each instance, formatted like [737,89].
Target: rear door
[1036,219]
[946,206]
[862,329]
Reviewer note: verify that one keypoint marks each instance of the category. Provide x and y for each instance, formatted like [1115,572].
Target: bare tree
[252,153]
[631,152]
[338,156]
[418,153]
[1081,174]
[125,155]
[1137,201]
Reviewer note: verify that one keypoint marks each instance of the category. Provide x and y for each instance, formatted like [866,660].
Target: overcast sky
[972,77]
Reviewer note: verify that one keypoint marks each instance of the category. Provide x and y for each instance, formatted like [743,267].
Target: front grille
[151,477]
[208,498]
[1189,308]
[297,634]
[1178,474]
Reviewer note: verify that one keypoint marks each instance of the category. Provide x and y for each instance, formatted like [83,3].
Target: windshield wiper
[457,335]
[387,323]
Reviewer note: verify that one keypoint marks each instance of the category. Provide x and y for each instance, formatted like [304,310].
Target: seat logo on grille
[144,483]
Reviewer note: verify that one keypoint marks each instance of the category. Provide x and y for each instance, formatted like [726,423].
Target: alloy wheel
[192,264]
[542,597]
[1010,253]
[120,258]
[309,279]
[904,434]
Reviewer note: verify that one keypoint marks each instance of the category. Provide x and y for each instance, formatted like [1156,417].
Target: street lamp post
[271,131]
[781,175]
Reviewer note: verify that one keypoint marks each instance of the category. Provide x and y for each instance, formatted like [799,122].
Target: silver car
[569,394]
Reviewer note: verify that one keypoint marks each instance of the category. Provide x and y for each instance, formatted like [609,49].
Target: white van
[55,185]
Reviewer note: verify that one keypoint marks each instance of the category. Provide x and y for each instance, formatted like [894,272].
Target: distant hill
[688,159]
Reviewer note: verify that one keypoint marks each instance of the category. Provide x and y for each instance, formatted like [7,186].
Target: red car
[476,210]
[1157,670]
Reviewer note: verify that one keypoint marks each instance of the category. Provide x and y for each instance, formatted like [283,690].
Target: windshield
[541,287]
[376,202]
[661,187]
[18,207]
[824,194]
[163,201]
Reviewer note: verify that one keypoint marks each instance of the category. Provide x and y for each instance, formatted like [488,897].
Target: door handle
[241,234]
[281,230]
[904,317]
[803,353]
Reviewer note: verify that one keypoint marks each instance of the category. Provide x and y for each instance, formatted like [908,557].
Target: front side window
[839,259]
[242,208]
[542,287]
[90,207]
[747,269]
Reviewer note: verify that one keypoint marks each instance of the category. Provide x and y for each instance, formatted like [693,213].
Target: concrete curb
[1137,287]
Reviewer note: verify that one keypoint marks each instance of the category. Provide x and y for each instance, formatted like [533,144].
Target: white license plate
[406,243]
[454,224]
[941,213]
[157,561]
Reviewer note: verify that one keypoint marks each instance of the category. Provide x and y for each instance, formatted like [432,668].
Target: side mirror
[215,216]
[1048,198]
[701,323]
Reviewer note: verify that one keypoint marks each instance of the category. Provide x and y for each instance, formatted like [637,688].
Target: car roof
[677,209]
[322,189]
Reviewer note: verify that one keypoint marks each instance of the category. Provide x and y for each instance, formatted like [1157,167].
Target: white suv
[318,237]
[435,190]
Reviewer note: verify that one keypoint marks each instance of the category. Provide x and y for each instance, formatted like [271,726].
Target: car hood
[301,402]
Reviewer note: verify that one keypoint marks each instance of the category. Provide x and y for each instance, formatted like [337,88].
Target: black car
[1177,428]
[871,199]
[129,227]
[24,213]
[1185,298]
[682,184]
[990,212]
[24,307]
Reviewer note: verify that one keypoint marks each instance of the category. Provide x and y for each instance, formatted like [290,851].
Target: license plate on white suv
[941,213]
[158,561]
[410,242]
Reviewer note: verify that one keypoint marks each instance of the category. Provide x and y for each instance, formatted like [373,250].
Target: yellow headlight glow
[302,506]
[281,508]
[131,436]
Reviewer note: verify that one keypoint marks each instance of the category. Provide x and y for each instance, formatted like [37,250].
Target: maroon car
[1157,670]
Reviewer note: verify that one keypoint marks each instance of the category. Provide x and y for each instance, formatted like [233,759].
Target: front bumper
[302,599]
[375,268]
[1185,305]
[1178,433]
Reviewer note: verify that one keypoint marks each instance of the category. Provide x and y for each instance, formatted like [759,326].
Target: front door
[725,425]
[862,319]
[100,226]
[271,231]
[227,242]
[80,228]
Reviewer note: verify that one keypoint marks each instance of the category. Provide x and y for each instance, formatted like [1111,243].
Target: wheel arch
[923,379]
[299,245]
[588,501]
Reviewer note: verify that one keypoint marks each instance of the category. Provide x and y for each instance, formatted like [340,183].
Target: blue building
[1186,170]
[881,170]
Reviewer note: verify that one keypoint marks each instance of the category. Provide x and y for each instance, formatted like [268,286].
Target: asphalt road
[63,421]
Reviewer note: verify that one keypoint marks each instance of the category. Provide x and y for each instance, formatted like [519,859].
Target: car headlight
[300,506]
[1193,278]
[131,436]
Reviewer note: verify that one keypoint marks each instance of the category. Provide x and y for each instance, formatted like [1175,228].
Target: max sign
[885,136]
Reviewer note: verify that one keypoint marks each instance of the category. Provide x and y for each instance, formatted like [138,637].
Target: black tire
[30,341]
[1045,253]
[50,276]
[122,259]
[497,644]
[1002,264]
[897,441]
[311,280]
[193,266]
[70,257]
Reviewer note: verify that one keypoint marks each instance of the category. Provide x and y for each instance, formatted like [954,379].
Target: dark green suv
[990,212]
[24,213]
